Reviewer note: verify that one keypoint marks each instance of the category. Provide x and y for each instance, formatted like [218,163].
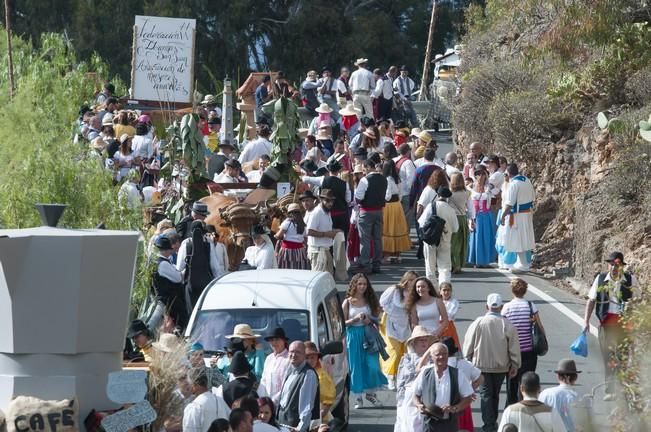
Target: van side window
[321,326]
[336,315]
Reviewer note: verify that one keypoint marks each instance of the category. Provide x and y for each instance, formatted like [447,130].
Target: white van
[304,303]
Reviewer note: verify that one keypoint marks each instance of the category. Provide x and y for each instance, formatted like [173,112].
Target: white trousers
[363,102]
[438,257]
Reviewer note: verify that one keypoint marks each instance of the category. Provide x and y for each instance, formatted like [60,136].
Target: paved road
[471,288]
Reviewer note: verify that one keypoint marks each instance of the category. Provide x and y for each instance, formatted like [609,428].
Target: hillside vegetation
[536,74]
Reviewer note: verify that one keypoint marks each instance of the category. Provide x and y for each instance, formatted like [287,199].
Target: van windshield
[212,326]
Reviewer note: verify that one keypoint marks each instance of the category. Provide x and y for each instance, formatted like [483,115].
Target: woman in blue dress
[361,310]
[481,241]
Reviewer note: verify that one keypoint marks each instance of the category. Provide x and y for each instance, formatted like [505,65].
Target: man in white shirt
[561,397]
[256,148]
[320,233]
[204,409]
[531,414]
[383,93]
[308,201]
[440,256]
[407,172]
[328,90]
[517,218]
[451,164]
[441,392]
[361,83]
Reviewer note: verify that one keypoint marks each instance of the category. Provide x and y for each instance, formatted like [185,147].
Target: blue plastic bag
[580,345]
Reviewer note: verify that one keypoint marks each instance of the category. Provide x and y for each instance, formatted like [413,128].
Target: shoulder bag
[540,346]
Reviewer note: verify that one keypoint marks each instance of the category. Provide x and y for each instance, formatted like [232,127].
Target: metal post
[428,56]
[10,59]
[227,110]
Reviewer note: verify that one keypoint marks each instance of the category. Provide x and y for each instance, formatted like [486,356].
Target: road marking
[553,302]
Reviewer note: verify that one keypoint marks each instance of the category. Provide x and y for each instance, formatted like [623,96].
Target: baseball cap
[494,300]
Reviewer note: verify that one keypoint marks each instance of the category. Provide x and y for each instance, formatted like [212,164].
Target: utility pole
[10,59]
[428,56]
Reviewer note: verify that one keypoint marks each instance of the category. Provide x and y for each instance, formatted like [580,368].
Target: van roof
[273,288]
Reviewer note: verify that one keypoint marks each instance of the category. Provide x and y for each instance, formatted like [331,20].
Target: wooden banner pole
[10,58]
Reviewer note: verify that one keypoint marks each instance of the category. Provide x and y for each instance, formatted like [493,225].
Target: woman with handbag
[525,318]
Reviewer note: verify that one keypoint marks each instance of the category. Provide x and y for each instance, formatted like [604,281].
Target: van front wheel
[342,410]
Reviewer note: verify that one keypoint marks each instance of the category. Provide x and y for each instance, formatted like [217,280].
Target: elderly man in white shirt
[436,396]
[205,408]
[361,84]
[531,414]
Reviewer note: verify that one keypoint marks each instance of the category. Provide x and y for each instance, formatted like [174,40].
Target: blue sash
[517,208]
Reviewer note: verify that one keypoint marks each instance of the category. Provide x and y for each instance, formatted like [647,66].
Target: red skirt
[353,243]
[465,420]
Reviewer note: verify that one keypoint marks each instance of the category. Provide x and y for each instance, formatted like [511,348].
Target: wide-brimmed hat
[566,366]
[425,136]
[239,364]
[327,193]
[302,132]
[404,68]
[415,132]
[308,194]
[369,133]
[234,345]
[167,342]
[323,135]
[209,100]
[258,230]
[278,332]
[137,327]
[358,169]
[200,208]
[163,243]
[107,120]
[123,138]
[294,207]
[308,165]
[310,349]
[233,163]
[243,331]
[333,165]
[361,61]
[350,110]
[614,256]
[323,108]
[419,332]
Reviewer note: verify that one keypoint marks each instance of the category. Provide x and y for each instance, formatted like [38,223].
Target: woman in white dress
[426,308]
[394,326]
[408,419]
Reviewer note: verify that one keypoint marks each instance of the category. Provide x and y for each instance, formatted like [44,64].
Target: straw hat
[323,108]
[361,61]
[166,343]
[243,331]
[107,120]
[369,133]
[425,137]
[293,207]
[350,110]
[419,332]
[209,100]
[358,169]
[415,132]
[323,135]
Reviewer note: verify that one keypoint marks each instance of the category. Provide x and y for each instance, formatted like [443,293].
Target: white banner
[162,67]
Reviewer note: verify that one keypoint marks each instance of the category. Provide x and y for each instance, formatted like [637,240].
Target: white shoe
[391,386]
[359,402]
[373,400]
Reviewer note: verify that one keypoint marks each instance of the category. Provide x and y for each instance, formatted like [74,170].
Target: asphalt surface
[471,289]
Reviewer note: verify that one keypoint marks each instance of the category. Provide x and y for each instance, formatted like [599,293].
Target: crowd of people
[367,175]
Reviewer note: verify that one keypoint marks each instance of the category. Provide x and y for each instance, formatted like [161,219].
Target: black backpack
[433,228]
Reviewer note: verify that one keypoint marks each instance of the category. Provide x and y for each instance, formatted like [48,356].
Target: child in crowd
[452,307]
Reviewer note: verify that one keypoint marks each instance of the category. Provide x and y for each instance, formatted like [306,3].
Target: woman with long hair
[395,231]
[362,309]
[426,307]
[369,141]
[124,124]
[436,180]
[123,158]
[395,324]
[481,241]
[460,202]
[291,249]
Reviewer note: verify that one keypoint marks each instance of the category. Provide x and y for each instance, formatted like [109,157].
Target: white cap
[494,300]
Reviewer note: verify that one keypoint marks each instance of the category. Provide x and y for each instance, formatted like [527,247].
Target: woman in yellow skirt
[395,231]
[394,325]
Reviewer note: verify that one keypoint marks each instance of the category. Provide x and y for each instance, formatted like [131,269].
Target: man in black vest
[608,296]
[167,284]
[217,160]
[299,396]
[199,212]
[370,194]
[441,393]
[243,382]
